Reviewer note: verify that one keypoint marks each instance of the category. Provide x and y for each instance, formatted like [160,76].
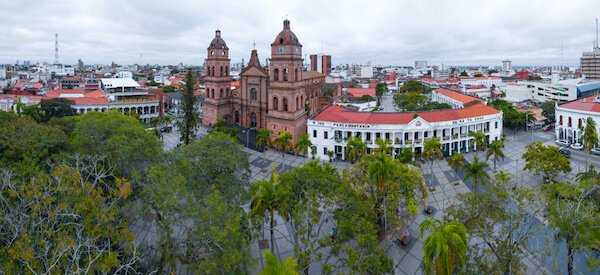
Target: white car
[577,146]
[595,150]
[563,142]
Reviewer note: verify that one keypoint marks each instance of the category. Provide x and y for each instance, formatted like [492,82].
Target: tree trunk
[272,228]
[494,163]
[569,258]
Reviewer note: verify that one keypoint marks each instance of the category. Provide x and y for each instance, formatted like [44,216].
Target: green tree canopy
[546,160]
[122,139]
[445,248]
[56,107]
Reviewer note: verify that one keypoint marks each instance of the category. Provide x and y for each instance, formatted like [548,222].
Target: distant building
[7,102]
[420,64]
[320,63]
[506,65]
[366,71]
[590,64]
[326,64]
[561,91]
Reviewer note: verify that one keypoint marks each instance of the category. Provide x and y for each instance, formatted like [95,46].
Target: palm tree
[274,267]
[445,249]
[263,138]
[456,161]
[590,137]
[431,149]
[476,171]
[355,148]
[283,142]
[264,200]
[383,146]
[406,156]
[381,170]
[478,140]
[220,125]
[303,144]
[495,150]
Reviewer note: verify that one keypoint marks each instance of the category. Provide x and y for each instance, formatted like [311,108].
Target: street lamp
[248,136]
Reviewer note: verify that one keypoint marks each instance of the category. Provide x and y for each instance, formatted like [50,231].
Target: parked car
[563,142]
[577,146]
[166,129]
[565,152]
[548,127]
[595,151]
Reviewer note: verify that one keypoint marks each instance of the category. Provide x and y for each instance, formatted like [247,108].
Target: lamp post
[248,136]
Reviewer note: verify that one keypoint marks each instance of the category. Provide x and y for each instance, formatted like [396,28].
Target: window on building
[579,123]
[496,124]
[275,103]
[297,104]
[213,71]
[324,150]
[275,74]
[570,122]
[213,93]
[237,117]
[226,71]
[285,104]
[560,120]
[285,74]
[296,78]
[221,93]
[315,133]
[221,71]
[253,94]
[325,135]
[207,71]
[253,120]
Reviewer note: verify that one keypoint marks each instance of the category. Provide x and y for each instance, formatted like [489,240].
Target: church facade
[278,97]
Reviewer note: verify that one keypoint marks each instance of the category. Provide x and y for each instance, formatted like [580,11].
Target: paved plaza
[445,185]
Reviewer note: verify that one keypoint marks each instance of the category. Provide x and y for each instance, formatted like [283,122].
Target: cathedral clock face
[280,49]
[297,50]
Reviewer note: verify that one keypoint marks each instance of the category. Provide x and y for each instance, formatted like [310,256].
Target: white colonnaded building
[330,129]
[571,117]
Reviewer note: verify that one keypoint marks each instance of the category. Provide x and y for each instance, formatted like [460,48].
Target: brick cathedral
[279,96]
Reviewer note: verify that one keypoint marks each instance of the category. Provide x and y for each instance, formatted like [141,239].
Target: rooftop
[457,96]
[590,104]
[345,115]
[110,83]
[359,92]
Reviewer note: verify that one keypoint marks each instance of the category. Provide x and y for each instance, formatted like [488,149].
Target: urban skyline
[383,33]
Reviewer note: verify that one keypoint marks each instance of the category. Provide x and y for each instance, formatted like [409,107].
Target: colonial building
[571,117]
[277,97]
[330,129]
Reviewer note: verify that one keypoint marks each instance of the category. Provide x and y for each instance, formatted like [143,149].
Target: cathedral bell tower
[286,86]
[217,102]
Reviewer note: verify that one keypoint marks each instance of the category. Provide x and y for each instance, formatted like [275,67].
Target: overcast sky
[382,32]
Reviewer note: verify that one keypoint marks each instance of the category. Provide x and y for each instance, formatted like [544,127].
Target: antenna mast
[596,32]
[56,48]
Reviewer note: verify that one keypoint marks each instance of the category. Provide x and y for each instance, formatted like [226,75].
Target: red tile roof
[343,115]
[583,104]
[89,98]
[359,92]
[457,96]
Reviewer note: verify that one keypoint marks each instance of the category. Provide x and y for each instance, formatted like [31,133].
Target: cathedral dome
[218,42]
[286,36]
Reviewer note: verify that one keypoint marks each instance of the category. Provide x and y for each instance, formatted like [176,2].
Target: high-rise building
[506,65]
[326,64]
[590,64]
[314,63]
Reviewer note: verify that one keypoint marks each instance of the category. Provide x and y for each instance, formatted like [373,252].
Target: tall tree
[383,146]
[456,161]
[303,144]
[380,90]
[283,142]
[478,141]
[265,199]
[476,171]
[355,148]
[432,149]
[122,139]
[590,138]
[57,107]
[188,125]
[504,220]
[59,223]
[274,267]
[263,138]
[546,160]
[445,248]
[495,150]
[574,212]
[387,185]
[548,110]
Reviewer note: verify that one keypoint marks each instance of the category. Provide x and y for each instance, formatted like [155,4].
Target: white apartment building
[556,90]
[571,117]
[126,95]
[330,129]
[487,81]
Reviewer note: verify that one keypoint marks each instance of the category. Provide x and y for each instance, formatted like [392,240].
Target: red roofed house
[357,93]
[330,129]
[83,101]
[7,102]
[571,117]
